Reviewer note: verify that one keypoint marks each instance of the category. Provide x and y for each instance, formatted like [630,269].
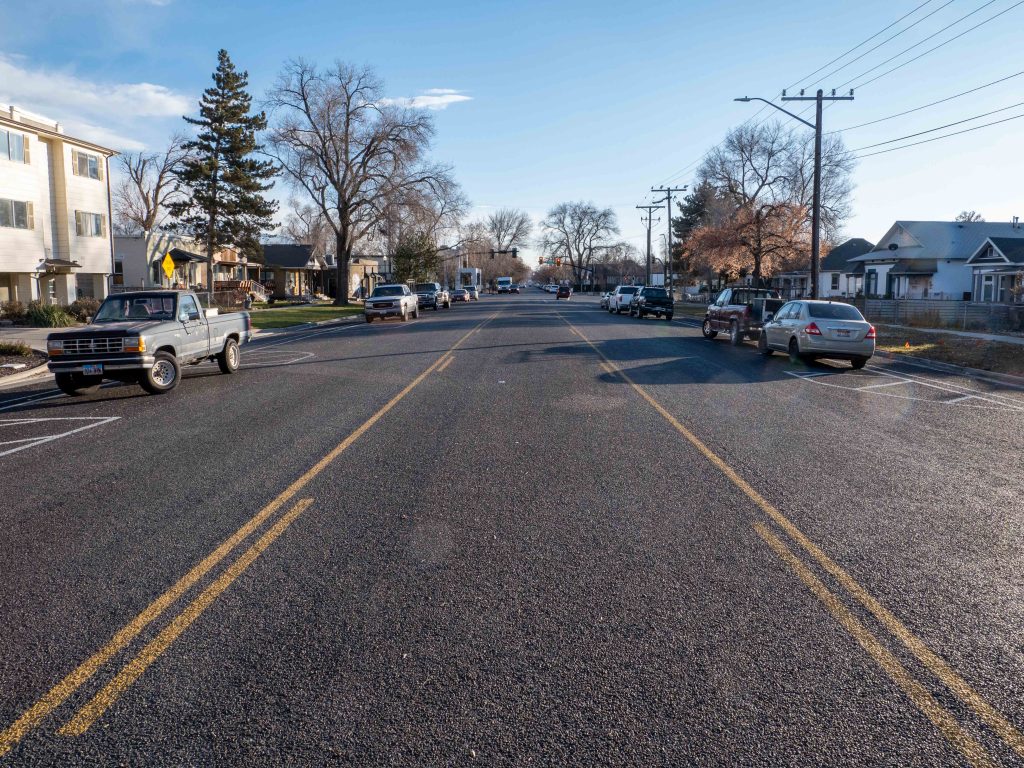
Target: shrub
[48,315]
[15,348]
[84,308]
[12,310]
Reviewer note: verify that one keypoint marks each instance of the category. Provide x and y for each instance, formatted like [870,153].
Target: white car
[618,301]
[391,301]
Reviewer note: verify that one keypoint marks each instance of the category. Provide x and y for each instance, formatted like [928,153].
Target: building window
[90,224]
[835,281]
[118,273]
[83,164]
[13,146]
[14,213]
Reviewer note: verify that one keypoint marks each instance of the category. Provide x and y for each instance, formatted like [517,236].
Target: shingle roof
[941,239]
[914,267]
[838,256]
[1011,247]
[287,256]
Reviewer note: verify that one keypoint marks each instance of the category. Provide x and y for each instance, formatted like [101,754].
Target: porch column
[25,286]
[66,293]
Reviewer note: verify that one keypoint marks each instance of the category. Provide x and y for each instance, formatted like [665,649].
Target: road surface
[518,531]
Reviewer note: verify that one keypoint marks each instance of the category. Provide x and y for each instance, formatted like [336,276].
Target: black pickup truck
[651,301]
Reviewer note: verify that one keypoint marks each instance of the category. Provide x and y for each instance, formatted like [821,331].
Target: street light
[816,127]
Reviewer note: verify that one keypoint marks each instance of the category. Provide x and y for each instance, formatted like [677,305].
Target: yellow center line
[943,720]
[951,679]
[131,672]
[75,679]
[446,363]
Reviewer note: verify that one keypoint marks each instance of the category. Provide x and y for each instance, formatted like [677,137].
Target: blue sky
[566,100]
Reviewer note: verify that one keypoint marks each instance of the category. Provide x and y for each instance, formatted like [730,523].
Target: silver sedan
[811,329]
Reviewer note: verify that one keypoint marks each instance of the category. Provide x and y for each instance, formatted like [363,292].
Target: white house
[928,259]
[837,276]
[55,242]
[998,270]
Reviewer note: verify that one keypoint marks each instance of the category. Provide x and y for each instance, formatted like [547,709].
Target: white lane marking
[950,387]
[98,421]
[961,399]
[311,335]
[886,384]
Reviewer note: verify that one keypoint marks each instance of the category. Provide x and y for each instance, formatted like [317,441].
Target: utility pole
[818,98]
[668,256]
[650,212]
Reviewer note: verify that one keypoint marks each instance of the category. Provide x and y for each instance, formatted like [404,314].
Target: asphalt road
[516,532]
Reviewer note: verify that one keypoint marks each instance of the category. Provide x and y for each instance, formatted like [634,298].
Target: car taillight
[812,330]
[871,332]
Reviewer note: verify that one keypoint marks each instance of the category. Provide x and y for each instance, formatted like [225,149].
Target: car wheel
[735,337]
[859,362]
[435,306]
[405,315]
[76,384]
[230,357]
[794,351]
[416,313]
[706,329]
[369,319]
[668,317]
[762,345]
[163,376]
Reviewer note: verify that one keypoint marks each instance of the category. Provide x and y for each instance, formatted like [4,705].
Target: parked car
[460,294]
[391,301]
[432,295]
[145,337]
[564,292]
[620,298]
[474,292]
[604,299]
[515,288]
[651,301]
[810,329]
[741,312]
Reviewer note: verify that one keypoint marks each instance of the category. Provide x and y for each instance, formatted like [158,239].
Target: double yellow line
[971,749]
[95,708]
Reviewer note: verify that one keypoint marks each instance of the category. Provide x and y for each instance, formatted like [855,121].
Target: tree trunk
[342,266]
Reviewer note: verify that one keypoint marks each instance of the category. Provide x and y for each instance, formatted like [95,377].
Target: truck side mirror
[193,316]
[769,317]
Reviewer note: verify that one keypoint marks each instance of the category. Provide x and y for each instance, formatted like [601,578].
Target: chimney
[1016,222]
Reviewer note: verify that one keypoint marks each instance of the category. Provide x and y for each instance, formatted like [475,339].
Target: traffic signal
[558,262]
[540,261]
[515,253]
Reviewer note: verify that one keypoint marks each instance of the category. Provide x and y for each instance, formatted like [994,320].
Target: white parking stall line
[961,388]
[962,398]
[96,421]
[24,401]
[886,384]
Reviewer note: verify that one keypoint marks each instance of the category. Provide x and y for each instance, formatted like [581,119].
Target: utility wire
[944,136]
[939,128]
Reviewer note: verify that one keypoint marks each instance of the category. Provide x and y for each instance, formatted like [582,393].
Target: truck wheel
[762,345]
[435,306]
[230,358]
[369,318]
[76,384]
[735,337]
[669,317]
[416,313]
[405,315]
[163,376]
[706,329]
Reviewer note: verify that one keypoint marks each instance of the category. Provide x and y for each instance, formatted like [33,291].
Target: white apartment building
[55,239]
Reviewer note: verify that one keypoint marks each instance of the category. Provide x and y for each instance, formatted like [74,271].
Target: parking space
[20,434]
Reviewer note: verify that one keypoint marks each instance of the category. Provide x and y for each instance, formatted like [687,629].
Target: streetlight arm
[776,106]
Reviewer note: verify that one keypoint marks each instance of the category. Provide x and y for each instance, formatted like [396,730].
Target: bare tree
[306,225]
[968,217]
[353,153]
[571,231]
[509,228]
[149,184]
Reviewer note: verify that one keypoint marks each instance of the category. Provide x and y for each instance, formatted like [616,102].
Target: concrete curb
[23,376]
[972,373]
[272,332]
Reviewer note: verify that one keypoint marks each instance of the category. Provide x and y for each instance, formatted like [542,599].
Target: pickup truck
[741,312]
[432,295]
[145,337]
[395,300]
[651,301]
[620,298]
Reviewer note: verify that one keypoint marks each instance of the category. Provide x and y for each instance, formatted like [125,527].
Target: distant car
[604,299]
[564,292]
[474,292]
[432,295]
[651,300]
[552,288]
[514,288]
[460,294]
[391,301]
[619,300]
[811,329]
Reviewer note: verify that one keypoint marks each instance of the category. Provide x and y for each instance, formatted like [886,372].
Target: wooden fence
[935,313]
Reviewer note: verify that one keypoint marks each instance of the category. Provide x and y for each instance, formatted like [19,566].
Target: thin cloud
[432,98]
[107,113]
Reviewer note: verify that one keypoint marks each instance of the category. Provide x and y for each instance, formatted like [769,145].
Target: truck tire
[762,345]
[75,384]
[669,317]
[163,376]
[436,307]
[405,315]
[369,319]
[735,336]
[230,357]
[706,329]
[416,313]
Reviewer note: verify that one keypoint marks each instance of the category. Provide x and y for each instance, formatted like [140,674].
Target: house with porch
[997,269]
[55,238]
[292,270]
[138,261]
[834,273]
[928,259]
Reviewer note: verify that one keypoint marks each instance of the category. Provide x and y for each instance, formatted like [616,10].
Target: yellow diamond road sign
[168,265]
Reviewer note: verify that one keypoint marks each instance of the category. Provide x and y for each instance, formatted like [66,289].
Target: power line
[939,128]
[944,136]
[931,104]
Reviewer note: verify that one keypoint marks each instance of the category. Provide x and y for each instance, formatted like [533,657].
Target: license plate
[842,332]
[92,369]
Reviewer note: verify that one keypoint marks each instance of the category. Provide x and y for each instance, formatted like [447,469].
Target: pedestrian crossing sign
[168,266]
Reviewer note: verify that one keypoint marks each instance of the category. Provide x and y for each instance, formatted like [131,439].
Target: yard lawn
[957,350]
[282,317]
[691,309]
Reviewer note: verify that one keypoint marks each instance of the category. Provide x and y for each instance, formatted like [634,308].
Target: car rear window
[628,289]
[834,311]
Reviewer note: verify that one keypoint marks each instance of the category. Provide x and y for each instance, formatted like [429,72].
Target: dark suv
[564,292]
[432,295]
[651,301]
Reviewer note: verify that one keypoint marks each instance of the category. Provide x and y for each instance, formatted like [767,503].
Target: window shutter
[30,215]
[74,165]
[27,158]
[103,225]
[99,168]
[79,228]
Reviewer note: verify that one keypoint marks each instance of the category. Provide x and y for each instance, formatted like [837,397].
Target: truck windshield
[120,308]
[387,290]
[656,293]
[425,287]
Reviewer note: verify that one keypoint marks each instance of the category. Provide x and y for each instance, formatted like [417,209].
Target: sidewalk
[1018,340]
[34,337]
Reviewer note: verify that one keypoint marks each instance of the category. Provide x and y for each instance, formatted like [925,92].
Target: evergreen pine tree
[225,180]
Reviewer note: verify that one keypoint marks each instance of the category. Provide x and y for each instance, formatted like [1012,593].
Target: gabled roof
[290,256]
[1010,248]
[838,256]
[955,240]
